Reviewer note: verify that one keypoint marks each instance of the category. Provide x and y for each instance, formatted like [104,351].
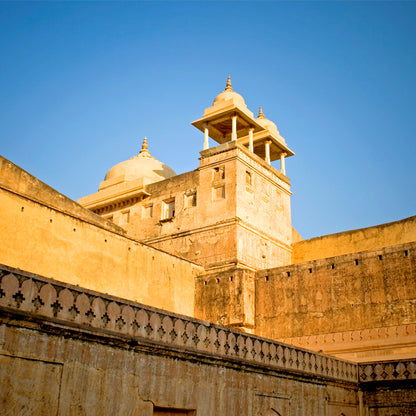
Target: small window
[168,208]
[125,217]
[190,200]
[219,193]
[249,178]
[219,173]
[148,211]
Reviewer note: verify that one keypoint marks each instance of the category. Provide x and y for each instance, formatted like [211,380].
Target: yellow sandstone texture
[51,235]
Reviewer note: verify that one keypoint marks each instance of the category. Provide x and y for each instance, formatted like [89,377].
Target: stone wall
[353,241]
[49,234]
[246,223]
[70,351]
[389,388]
[226,298]
[355,304]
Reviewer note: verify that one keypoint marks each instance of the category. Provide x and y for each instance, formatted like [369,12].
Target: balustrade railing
[43,297]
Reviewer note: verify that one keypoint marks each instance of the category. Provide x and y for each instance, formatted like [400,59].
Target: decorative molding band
[391,333]
[387,371]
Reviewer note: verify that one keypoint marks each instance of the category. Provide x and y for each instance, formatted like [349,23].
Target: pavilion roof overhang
[220,123]
[277,145]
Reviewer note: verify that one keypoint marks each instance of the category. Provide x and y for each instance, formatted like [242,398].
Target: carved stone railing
[399,370]
[59,302]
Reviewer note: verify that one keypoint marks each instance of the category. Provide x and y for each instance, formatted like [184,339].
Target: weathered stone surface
[354,241]
[61,240]
[352,305]
[88,367]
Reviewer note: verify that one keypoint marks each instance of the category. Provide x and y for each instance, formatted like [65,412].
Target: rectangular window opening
[148,211]
[190,200]
[218,173]
[219,193]
[125,217]
[168,209]
[249,178]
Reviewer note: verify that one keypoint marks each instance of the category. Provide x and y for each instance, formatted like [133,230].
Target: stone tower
[233,211]
[231,214]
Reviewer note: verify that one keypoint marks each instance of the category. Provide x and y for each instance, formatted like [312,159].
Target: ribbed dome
[266,123]
[229,94]
[141,166]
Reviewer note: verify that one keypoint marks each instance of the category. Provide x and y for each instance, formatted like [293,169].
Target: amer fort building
[192,294]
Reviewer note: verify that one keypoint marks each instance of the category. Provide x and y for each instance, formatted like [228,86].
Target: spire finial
[144,145]
[261,115]
[228,87]
[144,152]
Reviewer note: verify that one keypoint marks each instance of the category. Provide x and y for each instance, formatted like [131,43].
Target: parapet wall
[70,351]
[353,241]
[362,302]
[47,233]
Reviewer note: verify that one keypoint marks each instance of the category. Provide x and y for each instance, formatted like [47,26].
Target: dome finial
[144,152]
[261,115]
[228,87]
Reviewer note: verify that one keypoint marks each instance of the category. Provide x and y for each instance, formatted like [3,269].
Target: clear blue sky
[81,84]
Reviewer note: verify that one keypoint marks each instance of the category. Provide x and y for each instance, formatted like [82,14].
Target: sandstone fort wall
[362,292]
[353,241]
[63,240]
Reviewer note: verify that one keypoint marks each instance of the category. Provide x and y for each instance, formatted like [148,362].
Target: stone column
[234,130]
[267,151]
[206,136]
[282,163]
[250,140]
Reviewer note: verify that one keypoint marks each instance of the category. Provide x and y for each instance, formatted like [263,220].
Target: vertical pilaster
[206,136]
[267,151]
[234,128]
[282,163]
[250,140]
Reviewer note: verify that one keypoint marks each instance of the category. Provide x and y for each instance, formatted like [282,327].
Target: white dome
[229,94]
[266,123]
[141,166]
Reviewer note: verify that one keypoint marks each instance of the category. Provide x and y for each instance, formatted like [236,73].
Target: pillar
[282,163]
[250,140]
[234,130]
[206,136]
[267,151]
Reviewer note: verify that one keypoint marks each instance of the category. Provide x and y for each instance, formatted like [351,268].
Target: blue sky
[81,84]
